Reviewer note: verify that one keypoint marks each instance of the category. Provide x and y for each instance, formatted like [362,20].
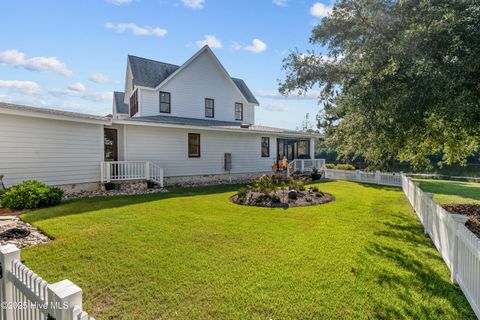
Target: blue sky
[71,55]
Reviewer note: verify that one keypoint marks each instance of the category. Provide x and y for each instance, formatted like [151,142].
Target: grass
[447,192]
[191,254]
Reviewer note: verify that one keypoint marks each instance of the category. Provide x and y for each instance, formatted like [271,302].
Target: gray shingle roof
[120,105]
[229,125]
[150,73]
[245,90]
[10,106]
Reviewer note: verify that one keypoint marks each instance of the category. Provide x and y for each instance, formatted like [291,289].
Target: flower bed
[268,191]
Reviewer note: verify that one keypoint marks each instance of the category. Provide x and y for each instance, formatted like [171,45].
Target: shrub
[344,167]
[314,189]
[275,199]
[265,184]
[30,194]
[242,195]
[340,166]
[296,184]
[315,175]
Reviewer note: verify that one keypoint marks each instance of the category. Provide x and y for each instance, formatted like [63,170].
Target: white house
[192,122]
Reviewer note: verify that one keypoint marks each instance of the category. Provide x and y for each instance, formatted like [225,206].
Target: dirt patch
[280,199]
[8,212]
[470,210]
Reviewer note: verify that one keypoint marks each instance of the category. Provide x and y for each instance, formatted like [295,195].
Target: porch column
[312,148]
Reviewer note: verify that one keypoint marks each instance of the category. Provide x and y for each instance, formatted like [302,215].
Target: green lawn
[191,254]
[452,191]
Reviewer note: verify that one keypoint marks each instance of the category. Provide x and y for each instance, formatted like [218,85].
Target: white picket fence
[24,295]
[459,247]
[377,177]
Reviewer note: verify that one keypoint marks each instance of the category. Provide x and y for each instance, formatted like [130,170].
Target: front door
[286,148]
[110,144]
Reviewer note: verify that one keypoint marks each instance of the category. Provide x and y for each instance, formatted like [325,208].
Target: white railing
[131,170]
[24,295]
[305,165]
[377,177]
[459,247]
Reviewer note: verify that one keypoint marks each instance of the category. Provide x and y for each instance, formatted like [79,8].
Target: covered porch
[297,154]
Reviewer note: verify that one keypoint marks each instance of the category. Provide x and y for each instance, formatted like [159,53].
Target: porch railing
[131,170]
[305,165]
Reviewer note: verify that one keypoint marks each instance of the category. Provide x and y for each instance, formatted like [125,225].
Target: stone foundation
[183,181]
[212,179]
[130,185]
[80,187]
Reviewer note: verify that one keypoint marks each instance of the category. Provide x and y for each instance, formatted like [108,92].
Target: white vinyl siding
[169,148]
[52,151]
[199,80]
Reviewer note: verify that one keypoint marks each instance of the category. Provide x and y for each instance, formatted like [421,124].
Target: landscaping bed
[470,210]
[273,192]
[280,199]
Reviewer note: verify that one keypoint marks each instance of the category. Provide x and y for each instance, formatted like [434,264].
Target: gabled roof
[151,73]
[245,90]
[120,105]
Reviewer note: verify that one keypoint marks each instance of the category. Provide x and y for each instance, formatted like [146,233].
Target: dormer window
[164,102]
[209,108]
[238,111]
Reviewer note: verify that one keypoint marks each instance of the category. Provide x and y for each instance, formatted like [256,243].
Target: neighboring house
[194,121]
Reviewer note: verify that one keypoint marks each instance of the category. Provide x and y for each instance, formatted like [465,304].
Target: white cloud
[16,58]
[310,95]
[136,30]
[120,2]
[194,4]
[98,77]
[281,3]
[257,46]
[320,10]
[77,86]
[276,106]
[27,87]
[210,40]
[78,90]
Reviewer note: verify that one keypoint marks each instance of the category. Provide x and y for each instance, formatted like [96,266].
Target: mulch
[305,198]
[470,210]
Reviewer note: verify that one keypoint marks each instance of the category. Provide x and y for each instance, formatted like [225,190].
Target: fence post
[456,221]
[63,296]
[377,177]
[8,253]
[358,177]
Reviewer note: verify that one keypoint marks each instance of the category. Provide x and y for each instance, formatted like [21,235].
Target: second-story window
[209,108]
[134,103]
[165,102]
[238,111]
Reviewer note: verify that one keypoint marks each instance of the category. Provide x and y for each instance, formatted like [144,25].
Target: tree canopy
[401,80]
